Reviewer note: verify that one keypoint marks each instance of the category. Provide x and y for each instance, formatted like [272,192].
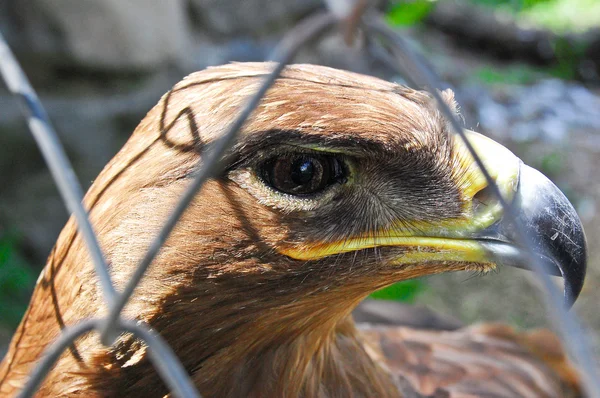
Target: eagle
[338,185]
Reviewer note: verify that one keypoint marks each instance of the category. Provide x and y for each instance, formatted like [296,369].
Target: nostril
[483,199]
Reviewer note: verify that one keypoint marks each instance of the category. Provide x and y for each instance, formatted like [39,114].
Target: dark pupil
[301,174]
[302,171]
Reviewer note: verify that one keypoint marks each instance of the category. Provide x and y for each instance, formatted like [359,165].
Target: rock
[551,110]
[105,34]
[253,17]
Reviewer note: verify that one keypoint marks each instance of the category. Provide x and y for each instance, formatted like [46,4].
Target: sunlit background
[525,72]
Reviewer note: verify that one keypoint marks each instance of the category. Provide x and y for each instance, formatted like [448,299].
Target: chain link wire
[383,43]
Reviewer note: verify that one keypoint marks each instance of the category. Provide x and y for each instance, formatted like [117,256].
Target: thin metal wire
[161,355]
[172,372]
[418,73]
[58,163]
[163,358]
[286,50]
[52,353]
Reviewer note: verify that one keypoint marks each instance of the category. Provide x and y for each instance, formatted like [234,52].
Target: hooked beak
[555,232]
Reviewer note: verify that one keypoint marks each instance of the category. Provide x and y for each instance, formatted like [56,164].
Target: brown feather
[482,361]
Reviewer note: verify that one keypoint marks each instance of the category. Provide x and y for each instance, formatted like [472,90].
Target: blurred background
[525,72]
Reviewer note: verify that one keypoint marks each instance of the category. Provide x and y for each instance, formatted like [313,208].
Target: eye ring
[302,174]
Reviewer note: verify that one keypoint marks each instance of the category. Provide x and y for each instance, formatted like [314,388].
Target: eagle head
[338,185]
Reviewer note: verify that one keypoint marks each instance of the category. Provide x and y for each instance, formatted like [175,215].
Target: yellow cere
[502,165]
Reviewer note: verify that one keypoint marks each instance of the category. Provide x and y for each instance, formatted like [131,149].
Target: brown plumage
[247,290]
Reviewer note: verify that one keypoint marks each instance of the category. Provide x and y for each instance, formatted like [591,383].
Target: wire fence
[381,42]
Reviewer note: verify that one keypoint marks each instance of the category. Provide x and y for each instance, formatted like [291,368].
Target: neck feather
[300,349]
[323,362]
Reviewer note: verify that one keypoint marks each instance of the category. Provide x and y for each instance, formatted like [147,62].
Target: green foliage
[513,5]
[552,164]
[406,13]
[520,74]
[569,55]
[406,291]
[514,74]
[563,16]
[560,16]
[16,281]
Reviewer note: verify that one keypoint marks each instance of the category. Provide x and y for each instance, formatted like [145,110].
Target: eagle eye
[302,173]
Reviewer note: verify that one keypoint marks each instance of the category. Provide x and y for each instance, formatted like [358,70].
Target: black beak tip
[574,271]
[555,229]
